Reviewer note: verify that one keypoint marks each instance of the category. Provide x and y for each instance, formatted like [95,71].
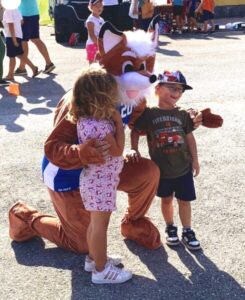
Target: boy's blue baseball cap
[173,77]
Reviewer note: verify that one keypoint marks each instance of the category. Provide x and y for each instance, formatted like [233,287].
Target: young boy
[207,9]
[172,147]
[13,33]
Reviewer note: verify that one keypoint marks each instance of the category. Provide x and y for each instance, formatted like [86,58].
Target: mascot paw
[19,228]
[142,231]
[211,120]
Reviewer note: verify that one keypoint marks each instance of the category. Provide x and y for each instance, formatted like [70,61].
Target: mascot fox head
[130,57]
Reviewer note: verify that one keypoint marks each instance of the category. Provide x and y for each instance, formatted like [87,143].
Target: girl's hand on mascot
[133,156]
[103,148]
[196,117]
[94,151]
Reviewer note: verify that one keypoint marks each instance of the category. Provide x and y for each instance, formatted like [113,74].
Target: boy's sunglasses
[173,88]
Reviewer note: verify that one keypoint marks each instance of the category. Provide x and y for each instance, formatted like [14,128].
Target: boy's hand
[195,167]
[133,156]
[196,117]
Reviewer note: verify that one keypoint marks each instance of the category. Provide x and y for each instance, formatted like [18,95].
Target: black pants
[110,13]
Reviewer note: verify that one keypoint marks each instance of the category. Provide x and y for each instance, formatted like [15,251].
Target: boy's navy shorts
[30,28]
[207,15]
[183,187]
[13,51]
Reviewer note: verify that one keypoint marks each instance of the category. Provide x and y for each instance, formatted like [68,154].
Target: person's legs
[2,54]
[25,55]
[167,209]
[68,231]
[97,238]
[27,61]
[140,181]
[12,63]
[211,21]
[188,234]
[42,49]
[185,213]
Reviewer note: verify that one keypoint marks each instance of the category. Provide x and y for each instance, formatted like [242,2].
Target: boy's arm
[134,154]
[134,137]
[117,140]
[191,142]
[12,32]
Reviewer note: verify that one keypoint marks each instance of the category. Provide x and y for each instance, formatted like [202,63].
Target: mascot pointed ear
[109,37]
[154,29]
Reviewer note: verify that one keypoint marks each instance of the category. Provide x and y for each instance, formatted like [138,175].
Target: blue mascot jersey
[60,180]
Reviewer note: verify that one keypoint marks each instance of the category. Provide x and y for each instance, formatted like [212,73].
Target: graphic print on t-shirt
[169,137]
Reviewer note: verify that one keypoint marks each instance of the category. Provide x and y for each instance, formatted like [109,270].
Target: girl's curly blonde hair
[95,94]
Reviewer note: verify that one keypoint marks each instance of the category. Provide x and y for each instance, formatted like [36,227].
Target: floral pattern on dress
[98,182]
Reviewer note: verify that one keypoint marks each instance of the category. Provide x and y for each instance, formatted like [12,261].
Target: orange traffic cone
[14,89]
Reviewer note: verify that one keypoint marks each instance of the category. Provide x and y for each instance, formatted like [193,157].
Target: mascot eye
[142,67]
[127,67]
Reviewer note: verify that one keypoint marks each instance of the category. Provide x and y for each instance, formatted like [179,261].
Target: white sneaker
[111,274]
[90,263]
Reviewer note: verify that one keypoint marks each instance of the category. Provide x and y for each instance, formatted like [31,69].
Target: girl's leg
[168,210]
[97,238]
[185,213]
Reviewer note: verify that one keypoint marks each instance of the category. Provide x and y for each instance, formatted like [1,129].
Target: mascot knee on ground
[130,57]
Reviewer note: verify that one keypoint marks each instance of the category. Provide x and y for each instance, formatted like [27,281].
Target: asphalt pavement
[215,66]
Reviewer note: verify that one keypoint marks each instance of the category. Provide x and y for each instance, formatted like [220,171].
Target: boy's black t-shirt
[166,136]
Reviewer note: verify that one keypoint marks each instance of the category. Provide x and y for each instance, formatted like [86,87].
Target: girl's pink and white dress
[98,182]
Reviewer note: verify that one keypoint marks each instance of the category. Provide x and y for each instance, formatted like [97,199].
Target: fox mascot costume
[130,57]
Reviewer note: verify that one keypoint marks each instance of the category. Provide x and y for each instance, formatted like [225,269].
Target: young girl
[13,33]
[93,108]
[93,25]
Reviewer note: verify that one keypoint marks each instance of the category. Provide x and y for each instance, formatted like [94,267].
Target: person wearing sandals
[13,34]
[30,27]
[172,147]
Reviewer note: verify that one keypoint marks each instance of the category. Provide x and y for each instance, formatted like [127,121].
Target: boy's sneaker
[89,265]
[189,239]
[4,82]
[49,68]
[111,274]
[18,71]
[172,238]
